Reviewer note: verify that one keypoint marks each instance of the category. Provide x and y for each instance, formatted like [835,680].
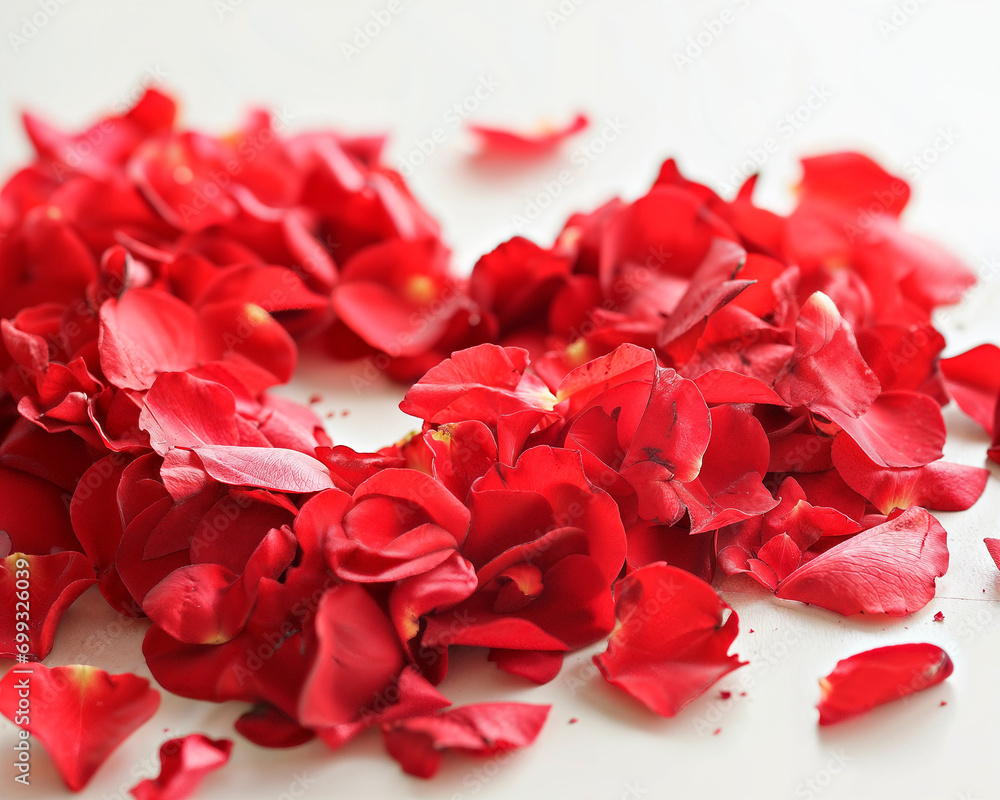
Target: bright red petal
[674,638]
[888,569]
[861,682]
[973,378]
[79,714]
[51,584]
[184,765]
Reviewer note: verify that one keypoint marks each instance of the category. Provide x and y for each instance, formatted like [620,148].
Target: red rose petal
[79,714]
[826,372]
[480,730]
[184,765]
[503,141]
[359,656]
[674,639]
[973,379]
[993,546]
[863,681]
[888,569]
[480,383]
[938,486]
[51,584]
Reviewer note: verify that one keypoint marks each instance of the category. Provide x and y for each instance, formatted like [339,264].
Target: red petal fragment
[479,730]
[515,143]
[184,765]
[79,714]
[973,379]
[863,681]
[993,546]
[52,584]
[888,569]
[674,638]
[207,603]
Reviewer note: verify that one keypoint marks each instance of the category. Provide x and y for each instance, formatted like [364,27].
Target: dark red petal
[674,638]
[358,657]
[184,765]
[417,743]
[79,714]
[207,603]
[863,681]
[411,695]
[888,569]
[268,726]
[722,386]
[503,141]
[51,584]
[463,452]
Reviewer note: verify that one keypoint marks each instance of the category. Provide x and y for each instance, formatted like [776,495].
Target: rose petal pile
[681,388]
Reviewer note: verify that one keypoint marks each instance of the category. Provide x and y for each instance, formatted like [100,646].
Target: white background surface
[918,85]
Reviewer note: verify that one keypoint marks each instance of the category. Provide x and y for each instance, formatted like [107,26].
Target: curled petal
[184,764]
[863,681]
[53,582]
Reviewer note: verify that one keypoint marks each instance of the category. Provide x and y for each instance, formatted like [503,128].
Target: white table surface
[909,94]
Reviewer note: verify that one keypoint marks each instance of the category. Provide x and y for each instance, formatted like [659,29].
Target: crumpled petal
[184,764]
